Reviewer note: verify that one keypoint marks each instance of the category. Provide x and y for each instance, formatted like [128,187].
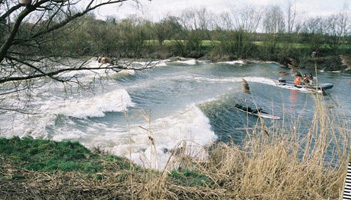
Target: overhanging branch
[10,39]
[59,71]
[8,13]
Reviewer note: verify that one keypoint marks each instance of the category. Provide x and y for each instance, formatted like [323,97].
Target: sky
[157,9]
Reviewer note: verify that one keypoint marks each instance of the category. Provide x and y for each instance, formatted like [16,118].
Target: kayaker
[247,109]
[258,110]
[298,80]
[310,78]
[305,79]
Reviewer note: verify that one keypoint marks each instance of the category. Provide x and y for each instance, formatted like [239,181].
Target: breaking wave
[152,145]
[115,101]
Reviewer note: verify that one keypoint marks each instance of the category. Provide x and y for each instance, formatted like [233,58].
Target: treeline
[273,33]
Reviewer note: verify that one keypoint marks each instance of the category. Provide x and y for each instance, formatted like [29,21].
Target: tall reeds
[277,163]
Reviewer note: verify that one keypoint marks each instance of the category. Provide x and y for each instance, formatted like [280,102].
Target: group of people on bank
[103,59]
[304,79]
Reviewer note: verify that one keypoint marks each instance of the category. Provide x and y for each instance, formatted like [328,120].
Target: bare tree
[246,22]
[274,20]
[224,22]
[165,29]
[29,34]
[290,15]
[343,22]
[274,27]
[189,20]
[247,19]
[196,24]
[336,28]
[314,30]
[313,26]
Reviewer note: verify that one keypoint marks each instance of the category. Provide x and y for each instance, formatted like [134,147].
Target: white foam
[36,125]
[154,63]
[23,125]
[149,64]
[162,63]
[115,101]
[68,134]
[92,72]
[253,79]
[77,73]
[234,62]
[262,80]
[149,145]
[203,61]
[127,72]
[304,90]
[187,61]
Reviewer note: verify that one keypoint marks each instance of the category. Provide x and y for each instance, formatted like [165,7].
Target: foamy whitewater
[232,62]
[152,116]
[115,101]
[151,145]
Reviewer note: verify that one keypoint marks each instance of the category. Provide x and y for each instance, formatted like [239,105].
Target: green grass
[190,178]
[50,156]
[281,45]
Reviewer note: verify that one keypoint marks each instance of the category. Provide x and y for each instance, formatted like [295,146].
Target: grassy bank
[273,163]
[50,156]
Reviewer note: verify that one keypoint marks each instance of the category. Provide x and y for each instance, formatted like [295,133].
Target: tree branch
[59,71]
[63,23]
[8,13]
[71,18]
[5,47]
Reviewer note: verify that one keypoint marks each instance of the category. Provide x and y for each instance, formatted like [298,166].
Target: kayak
[319,88]
[322,86]
[258,114]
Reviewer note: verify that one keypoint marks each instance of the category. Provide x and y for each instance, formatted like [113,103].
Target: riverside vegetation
[272,163]
[276,33]
[249,33]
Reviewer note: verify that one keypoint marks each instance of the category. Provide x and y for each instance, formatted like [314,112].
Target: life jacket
[297,81]
[104,60]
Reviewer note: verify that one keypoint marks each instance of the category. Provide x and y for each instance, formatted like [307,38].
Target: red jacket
[297,81]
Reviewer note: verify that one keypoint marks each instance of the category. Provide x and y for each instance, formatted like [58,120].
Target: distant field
[281,45]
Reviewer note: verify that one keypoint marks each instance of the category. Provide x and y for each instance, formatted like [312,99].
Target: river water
[146,114]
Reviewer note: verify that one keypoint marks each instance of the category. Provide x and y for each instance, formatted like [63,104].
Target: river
[145,115]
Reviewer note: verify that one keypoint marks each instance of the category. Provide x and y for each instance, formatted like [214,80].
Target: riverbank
[326,63]
[323,63]
[266,166]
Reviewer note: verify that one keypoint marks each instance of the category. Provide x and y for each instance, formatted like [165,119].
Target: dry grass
[280,164]
[283,165]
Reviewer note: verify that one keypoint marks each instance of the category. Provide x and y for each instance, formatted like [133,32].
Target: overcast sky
[158,9]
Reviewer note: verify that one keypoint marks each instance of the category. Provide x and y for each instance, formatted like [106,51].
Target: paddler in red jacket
[298,80]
